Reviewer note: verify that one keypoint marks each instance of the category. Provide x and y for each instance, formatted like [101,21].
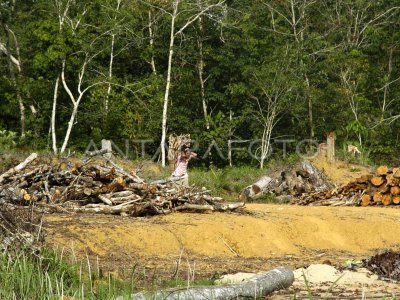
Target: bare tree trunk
[22,112]
[200,68]
[110,66]
[230,141]
[53,116]
[15,62]
[310,110]
[386,89]
[69,129]
[110,73]
[173,34]
[168,84]
[151,35]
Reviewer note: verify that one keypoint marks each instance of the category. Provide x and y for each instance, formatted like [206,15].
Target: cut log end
[365,200]
[386,199]
[382,170]
[377,181]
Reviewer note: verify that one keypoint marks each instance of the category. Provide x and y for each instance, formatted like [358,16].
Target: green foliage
[8,140]
[325,78]
[50,277]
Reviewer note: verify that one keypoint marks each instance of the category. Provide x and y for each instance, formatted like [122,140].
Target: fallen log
[256,190]
[19,167]
[256,287]
[228,206]
[187,206]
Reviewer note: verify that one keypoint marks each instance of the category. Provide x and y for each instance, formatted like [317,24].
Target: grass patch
[24,276]
[50,277]
[226,182]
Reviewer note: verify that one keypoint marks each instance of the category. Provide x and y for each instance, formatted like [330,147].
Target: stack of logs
[102,187]
[382,188]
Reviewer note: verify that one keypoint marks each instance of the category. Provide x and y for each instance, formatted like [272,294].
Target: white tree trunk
[15,62]
[200,69]
[53,116]
[69,129]
[110,73]
[173,34]
[110,66]
[151,35]
[168,84]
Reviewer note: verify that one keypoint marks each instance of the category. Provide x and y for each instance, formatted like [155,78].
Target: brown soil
[340,172]
[262,237]
[265,237]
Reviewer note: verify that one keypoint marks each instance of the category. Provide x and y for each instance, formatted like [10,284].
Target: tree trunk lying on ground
[18,168]
[257,286]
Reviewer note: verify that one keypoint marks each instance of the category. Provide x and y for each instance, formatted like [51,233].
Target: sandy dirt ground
[260,238]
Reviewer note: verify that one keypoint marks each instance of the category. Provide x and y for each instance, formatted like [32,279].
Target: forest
[231,73]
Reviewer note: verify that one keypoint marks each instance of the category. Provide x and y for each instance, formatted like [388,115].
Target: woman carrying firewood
[180,176]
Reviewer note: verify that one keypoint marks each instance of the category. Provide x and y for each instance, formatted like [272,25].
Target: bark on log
[19,167]
[396,172]
[384,188]
[105,199]
[255,190]
[187,206]
[256,287]
[228,206]
[364,178]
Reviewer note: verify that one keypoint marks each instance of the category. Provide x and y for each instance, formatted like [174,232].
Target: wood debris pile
[100,188]
[382,188]
[292,181]
[386,265]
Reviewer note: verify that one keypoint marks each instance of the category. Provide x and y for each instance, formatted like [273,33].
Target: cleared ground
[262,237]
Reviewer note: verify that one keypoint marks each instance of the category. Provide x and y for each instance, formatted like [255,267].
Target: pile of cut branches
[100,187]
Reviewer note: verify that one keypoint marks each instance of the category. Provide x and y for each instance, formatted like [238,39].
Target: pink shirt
[181,166]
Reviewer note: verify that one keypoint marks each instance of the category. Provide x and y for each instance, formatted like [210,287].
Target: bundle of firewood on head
[382,188]
[99,187]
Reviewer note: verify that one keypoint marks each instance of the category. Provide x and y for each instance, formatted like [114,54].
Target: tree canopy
[224,71]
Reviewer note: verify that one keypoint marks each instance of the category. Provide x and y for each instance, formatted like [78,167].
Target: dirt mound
[269,235]
[340,172]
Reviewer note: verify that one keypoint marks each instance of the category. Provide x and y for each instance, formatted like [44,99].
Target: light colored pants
[180,181]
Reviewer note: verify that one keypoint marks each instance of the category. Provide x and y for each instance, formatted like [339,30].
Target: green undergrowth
[223,182]
[25,276]
[51,276]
